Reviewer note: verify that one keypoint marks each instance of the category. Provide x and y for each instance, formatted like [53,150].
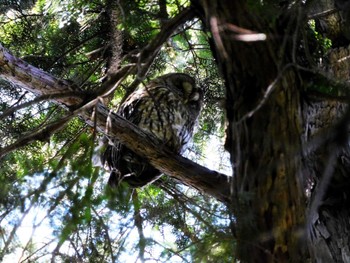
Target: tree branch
[41,83]
[147,55]
[38,99]
[42,134]
[35,80]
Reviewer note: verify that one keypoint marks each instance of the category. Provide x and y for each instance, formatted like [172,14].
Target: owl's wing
[124,164]
[166,108]
[114,150]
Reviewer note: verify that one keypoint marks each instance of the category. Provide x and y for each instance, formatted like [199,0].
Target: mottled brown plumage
[167,108]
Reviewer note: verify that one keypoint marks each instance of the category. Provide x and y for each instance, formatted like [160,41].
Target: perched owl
[167,108]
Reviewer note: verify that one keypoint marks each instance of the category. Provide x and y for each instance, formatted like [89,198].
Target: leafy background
[55,205]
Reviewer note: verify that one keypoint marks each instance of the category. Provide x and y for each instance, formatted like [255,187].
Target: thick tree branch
[190,173]
[41,83]
[35,80]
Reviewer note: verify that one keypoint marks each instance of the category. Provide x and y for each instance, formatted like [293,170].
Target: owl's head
[185,86]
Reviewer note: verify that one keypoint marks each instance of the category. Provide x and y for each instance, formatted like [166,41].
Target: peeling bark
[328,213]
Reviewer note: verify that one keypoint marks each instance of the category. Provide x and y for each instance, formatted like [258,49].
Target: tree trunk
[327,166]
[263,136]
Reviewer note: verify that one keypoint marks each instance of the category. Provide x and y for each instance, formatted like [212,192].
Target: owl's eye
[187,88]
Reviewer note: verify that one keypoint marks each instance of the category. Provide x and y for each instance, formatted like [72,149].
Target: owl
[167,108]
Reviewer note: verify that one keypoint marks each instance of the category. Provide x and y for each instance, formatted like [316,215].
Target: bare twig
[146,57]
[38,99]
[42,134]
[266,95]
[138,223]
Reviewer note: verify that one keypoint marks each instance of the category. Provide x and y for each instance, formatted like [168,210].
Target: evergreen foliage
[55,205]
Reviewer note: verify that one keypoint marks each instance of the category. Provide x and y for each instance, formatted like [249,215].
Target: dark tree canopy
[274,76]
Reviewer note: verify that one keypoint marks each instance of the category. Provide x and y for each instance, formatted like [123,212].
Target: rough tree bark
[329,165]
[265,135]
[328,213]
[265,143]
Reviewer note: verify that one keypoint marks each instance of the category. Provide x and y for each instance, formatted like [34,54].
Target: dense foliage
[54,202]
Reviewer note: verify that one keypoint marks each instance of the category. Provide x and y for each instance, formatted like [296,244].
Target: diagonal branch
[146,56]
[147,146]
[38,99]
[41,83]
[42,134]
[35,80]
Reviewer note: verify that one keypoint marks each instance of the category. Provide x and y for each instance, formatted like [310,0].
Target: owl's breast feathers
[167,108]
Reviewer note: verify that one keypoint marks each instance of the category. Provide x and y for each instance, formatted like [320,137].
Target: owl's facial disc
[187,87]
